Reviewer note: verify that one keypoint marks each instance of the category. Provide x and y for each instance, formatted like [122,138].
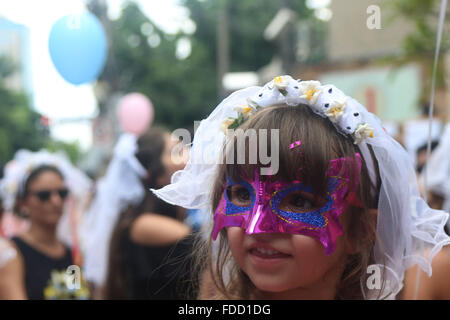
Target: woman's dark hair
[24,187]
[151,146]
[320,143]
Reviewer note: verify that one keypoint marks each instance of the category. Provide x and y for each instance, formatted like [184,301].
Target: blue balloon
[78,47]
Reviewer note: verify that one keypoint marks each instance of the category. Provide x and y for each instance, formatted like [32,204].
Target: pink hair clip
[295,144]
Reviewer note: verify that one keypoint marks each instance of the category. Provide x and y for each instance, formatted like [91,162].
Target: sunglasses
[44,195]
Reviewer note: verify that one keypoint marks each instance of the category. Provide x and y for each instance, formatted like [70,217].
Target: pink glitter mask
[265,206]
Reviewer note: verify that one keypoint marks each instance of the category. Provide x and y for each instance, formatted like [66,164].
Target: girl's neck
[325,293]
[43,235]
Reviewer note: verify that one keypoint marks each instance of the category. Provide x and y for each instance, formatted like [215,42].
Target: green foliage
[183,91]
[71,149]
[423,15]
[420,44]
[7,67]
[19,125]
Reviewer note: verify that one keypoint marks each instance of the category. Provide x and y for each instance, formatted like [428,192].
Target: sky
[53,96]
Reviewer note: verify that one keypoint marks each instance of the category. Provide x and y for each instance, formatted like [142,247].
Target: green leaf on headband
[237,122]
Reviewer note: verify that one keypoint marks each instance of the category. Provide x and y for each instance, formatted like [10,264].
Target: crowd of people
[345,213]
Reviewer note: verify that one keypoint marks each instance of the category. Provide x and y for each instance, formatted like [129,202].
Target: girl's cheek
[235,235]
[309,249]
[236,240]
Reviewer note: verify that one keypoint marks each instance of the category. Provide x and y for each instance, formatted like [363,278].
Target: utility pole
[287,42]
[223,47]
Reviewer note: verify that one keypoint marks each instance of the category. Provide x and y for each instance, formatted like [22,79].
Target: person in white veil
[128,232]
[44,187]
[405,225]
[437,171]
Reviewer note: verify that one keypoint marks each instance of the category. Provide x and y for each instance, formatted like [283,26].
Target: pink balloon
[135,113]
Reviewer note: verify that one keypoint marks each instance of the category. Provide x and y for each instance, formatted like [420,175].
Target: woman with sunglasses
[40,254]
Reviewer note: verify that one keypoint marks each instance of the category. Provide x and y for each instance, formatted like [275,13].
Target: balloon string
[430,118]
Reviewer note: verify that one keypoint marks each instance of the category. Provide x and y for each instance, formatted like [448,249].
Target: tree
[142,57]
[420,44]
[20,126]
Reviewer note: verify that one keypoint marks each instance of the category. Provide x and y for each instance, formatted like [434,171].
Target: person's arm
[436,287]
[157,230]
[12,286]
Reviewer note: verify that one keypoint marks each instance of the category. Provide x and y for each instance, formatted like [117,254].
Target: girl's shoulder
[439,277]
[436,287]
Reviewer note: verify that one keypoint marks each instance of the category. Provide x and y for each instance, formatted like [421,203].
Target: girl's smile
[265,256]
[280,262]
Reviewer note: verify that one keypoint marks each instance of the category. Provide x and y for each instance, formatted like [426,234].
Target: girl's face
[283,236]
[44,202]
[288,263]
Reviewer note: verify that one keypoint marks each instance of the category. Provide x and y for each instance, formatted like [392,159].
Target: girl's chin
[268,286]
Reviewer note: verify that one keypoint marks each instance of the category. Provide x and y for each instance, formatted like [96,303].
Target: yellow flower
[335,111]
[310,90]
[309,94]
[278,80]
[281,82]
[82,293]
[49,292]
[244,109]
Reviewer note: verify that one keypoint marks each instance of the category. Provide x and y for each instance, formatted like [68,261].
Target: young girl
[149,241]
[336,214]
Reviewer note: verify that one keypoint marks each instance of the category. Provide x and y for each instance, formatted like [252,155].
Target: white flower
[310,90]
[281,82]
[335,111]
[362,132]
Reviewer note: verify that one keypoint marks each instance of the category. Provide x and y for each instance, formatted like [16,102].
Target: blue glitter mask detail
[313,218]
[231,208]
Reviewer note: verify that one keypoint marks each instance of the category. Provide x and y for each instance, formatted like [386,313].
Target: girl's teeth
[266,251]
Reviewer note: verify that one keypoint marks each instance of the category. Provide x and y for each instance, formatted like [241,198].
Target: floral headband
[325,100]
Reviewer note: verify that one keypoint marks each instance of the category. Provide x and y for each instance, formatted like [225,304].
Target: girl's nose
[262,221]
